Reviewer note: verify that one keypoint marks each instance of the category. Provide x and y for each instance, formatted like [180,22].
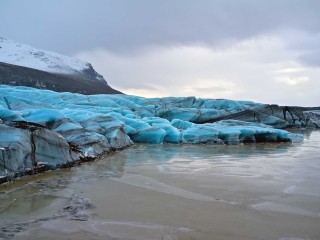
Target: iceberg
[53,129]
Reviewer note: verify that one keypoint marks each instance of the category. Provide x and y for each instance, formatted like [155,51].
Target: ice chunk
[222,104]
[312,118]
[8,115]
[186,114]
[173,102]
[18,103]
[173,135]
[149,135]
[200,134]
[155,120]
[118,138]
[26,144]
[208,115]
[51,118]
[230,135]
[180,124]
[16,157]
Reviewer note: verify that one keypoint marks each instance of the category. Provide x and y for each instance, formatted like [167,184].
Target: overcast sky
[265,51]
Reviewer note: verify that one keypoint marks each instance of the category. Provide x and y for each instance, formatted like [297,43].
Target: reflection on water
[169,152]
[186,191]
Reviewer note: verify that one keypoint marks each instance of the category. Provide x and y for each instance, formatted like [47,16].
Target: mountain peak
[27,56]
[25,65]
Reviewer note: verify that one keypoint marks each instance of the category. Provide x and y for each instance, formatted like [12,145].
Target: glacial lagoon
[169,191]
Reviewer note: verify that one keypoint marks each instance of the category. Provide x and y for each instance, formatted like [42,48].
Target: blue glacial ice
[42,126]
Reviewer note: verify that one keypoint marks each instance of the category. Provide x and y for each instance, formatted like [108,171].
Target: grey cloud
[203,72]
[303,42]
[212,90]
[308,46]
[311,59]
[140,85]
[126,25]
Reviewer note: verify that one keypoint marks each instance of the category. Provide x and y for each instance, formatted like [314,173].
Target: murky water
[264,191]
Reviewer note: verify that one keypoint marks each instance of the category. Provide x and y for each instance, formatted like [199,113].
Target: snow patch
[24,55]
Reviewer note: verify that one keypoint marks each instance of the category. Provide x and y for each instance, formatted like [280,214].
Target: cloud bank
[261,69]
[266,51]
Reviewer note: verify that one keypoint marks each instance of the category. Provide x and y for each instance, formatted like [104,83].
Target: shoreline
[42,167]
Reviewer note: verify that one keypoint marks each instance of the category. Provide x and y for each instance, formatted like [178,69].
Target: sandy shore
[175,192]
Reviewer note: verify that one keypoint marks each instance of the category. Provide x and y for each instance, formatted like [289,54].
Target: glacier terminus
[44,129]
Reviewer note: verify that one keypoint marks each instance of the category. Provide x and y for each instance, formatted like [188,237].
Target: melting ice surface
[255,191]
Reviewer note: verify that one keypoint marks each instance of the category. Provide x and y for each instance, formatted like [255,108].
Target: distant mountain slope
[21,76]
[23,65]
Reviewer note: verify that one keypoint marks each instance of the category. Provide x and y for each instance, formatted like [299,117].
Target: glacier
[43,129]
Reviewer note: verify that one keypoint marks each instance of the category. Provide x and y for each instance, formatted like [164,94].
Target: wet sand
[265,191]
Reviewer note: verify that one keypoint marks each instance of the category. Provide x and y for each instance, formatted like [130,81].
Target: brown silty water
[251,191]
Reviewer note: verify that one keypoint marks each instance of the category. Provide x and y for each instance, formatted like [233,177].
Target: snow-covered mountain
[24,55]
[21,64]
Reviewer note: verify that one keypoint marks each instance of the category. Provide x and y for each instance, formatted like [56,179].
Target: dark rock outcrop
[86,82]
